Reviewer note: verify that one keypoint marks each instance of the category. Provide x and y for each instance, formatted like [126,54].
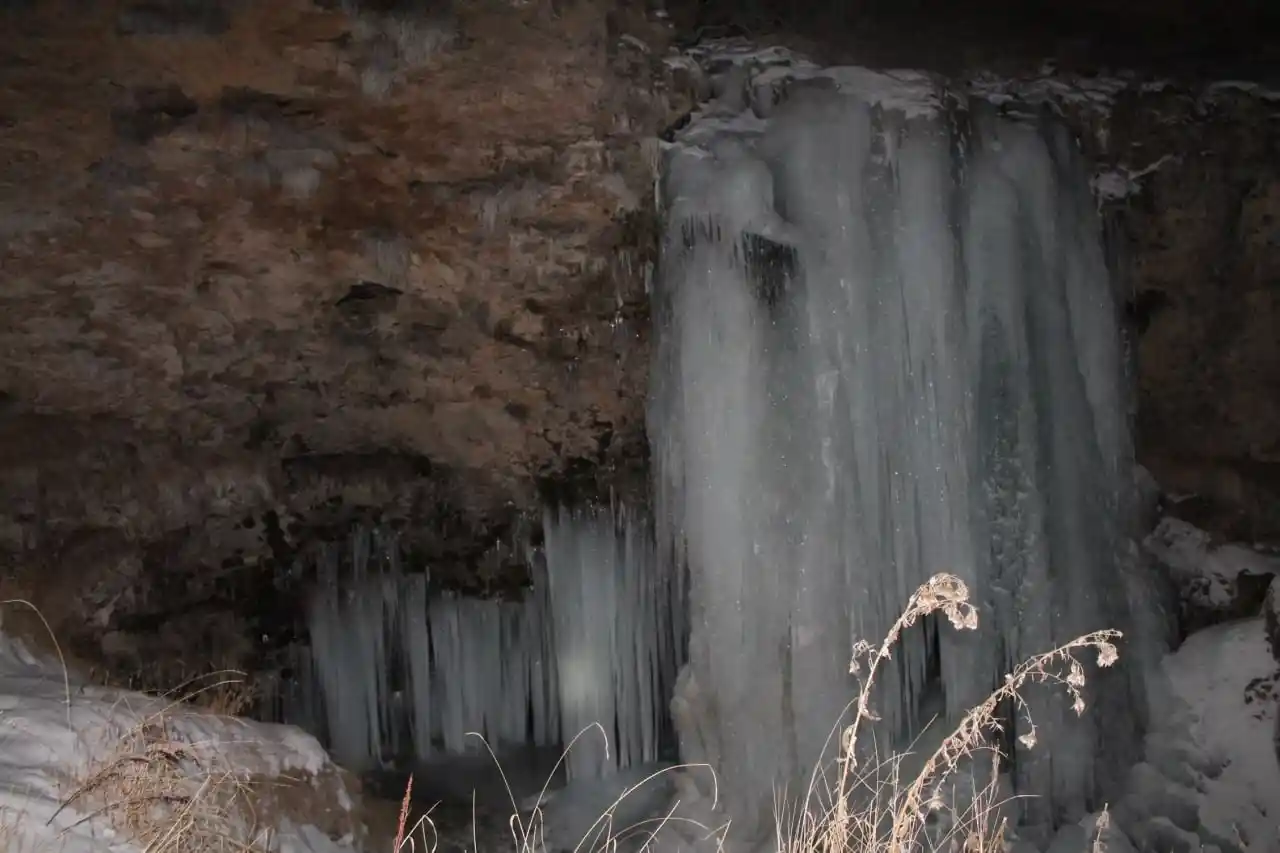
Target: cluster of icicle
[398,671]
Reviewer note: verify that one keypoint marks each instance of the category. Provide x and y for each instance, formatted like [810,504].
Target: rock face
[1203,236]
[267,267]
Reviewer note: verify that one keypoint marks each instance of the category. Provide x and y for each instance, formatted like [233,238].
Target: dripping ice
[926,375]
[398,670]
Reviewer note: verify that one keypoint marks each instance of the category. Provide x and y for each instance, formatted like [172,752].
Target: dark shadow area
[1190,38]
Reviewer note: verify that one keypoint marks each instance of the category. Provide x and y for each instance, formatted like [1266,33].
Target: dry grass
[871,806]
[168,794]
[164,793]
[221,692]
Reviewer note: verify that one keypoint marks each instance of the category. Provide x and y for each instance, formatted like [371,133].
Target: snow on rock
[746,82]
[1212,578]
[1124,181]
[55,732]
[1053,89]
[1210,777]
[1271,615]
[1245,87]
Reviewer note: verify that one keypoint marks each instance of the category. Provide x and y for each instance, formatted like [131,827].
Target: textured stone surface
[1203,261]
[269,266]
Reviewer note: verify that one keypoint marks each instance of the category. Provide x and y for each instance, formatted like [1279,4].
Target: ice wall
[887,346]
[405,672]
[401,672]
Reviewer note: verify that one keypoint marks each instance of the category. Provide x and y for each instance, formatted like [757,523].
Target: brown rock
[245,302]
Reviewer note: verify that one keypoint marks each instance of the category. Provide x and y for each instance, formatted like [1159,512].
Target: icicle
[609,627]
[582,575]
[416,637]
[545,689]
[591,642]
[347,636]
[448,687]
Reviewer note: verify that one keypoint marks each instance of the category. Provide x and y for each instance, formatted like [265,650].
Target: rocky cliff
[269,267]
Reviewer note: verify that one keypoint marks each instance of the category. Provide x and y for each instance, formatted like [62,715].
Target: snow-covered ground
[1210,777]
[55,732]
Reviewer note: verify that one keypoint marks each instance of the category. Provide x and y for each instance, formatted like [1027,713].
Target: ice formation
[403,672]
[926,375]
[615,640]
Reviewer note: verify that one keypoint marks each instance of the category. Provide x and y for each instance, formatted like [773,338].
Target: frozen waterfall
[888,346]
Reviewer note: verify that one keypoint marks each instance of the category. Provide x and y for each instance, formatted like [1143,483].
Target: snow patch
[1211,775]
[1206,573]
[50,737]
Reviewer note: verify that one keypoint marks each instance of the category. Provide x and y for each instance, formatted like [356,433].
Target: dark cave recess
[1191,38]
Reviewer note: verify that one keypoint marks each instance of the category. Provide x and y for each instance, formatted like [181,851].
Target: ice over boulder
[934,381]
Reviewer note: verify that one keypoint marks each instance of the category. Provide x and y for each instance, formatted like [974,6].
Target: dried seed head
[1075,677]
